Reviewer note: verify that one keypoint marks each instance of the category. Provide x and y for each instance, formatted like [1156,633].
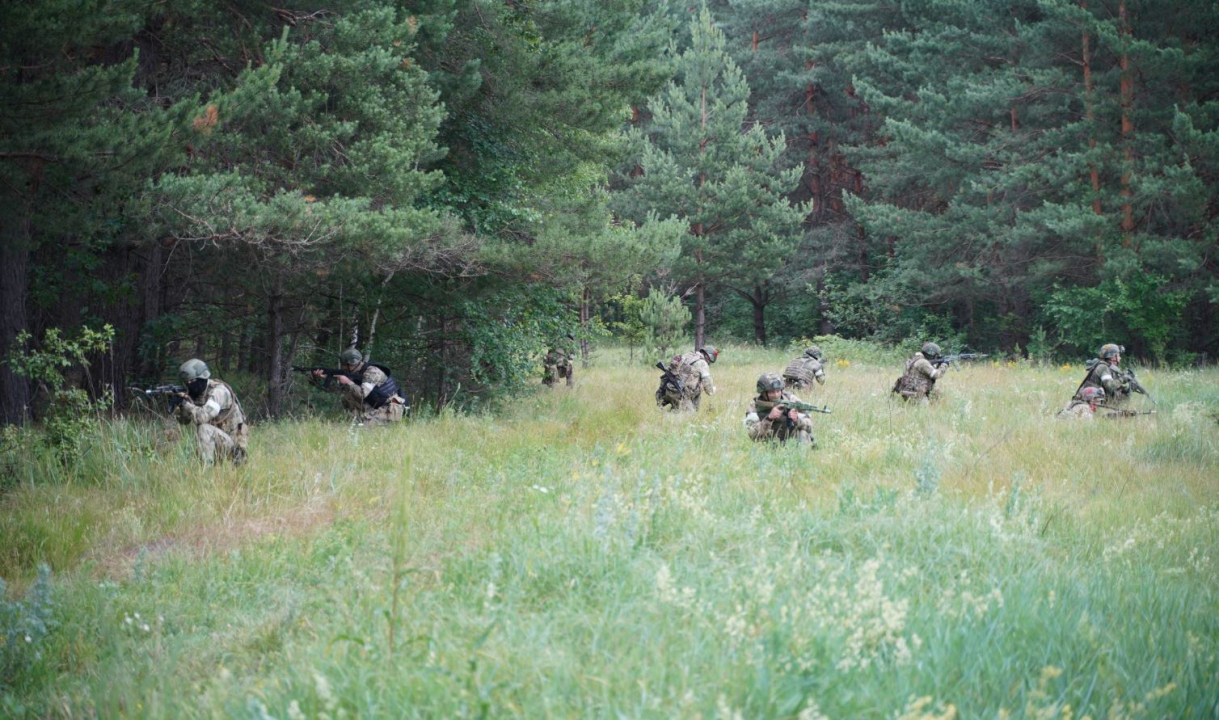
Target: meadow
[579,553]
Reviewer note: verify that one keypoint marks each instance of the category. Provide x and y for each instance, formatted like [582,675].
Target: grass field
[581,554]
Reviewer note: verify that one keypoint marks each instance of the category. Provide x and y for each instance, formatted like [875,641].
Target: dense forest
[451,185]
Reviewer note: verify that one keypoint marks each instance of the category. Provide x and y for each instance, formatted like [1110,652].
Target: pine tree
[702,161]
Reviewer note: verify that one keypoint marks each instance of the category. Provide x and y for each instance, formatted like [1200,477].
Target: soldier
[558,364]
[775,423]
[694,370]
[1104,373]
[367,390]
[920,377]
[212,407]
[1083,407]
[802,371]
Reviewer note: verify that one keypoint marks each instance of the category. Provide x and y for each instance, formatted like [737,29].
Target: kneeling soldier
[212,407]
[918,382]
[802,371]
[768,419]
[367,390]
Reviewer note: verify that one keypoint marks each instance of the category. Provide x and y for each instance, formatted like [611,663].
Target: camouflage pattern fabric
[695,374]
[1077,410]
[762,429]
[1108,376]
[353,399]
[557,364]
[802,371]
[919,380]
[221,430]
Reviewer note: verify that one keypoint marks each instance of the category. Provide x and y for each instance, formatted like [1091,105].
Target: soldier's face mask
[196,387]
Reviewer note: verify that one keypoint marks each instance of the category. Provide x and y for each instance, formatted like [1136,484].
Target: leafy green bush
[70,412]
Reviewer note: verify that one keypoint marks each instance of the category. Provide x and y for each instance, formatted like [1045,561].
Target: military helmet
[193,369]
[931,350]
[769,381]
[351,356]
[1093,394]
[1108,350]
[710,352]
[813,351]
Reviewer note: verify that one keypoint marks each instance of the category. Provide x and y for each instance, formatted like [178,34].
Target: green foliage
[1141,313]
[70,413]
[706,164]
[664,319]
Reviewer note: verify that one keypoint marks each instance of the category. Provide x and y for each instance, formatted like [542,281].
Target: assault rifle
[175,393]
[1119,412]
[329,373]
[1127,376]
[669,379]
[765,406]
[956,359]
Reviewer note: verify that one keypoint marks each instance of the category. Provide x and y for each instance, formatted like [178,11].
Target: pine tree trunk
[759,302]
[700,317]
[1090,116]
[275,347]
[586,298]
[14,262]
[1127,98]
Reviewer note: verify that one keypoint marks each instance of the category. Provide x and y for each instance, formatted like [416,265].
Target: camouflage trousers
[214,443]
[386,414]
[552,373]
[782,430]
[686,401]
[912,386]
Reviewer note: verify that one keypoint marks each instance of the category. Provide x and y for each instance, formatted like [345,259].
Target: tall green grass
[578,553]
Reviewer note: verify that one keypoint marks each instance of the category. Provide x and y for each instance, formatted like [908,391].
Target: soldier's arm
[189,413]
[372,378]
[704,372]
[1109,379]
[757,426]
[819,372]
[924,366]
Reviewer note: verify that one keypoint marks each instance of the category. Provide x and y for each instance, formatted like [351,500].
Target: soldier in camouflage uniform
[776,424]
[1083,407]
[212,407]
[367,390]
[802,371]
[558,364]
[694,370]
[1104,373]
[919,380]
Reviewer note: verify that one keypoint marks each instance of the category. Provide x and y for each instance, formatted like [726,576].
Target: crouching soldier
[367,390]
[694,371]
[211,406]
[918,382]
[802,371]
[768,419]
[1105,374]
[1084,406]
[558,364]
